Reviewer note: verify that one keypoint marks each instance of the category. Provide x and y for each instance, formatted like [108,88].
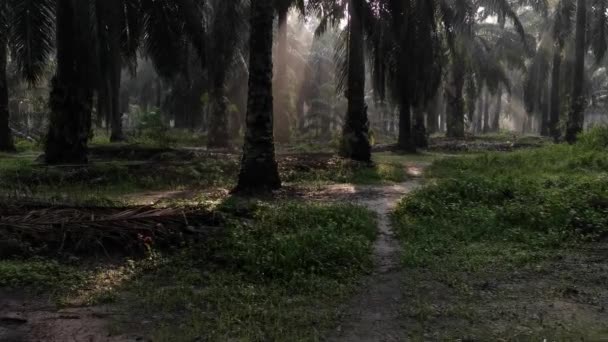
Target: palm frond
[31,26]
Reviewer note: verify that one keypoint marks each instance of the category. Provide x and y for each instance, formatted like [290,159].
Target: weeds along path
[373,314]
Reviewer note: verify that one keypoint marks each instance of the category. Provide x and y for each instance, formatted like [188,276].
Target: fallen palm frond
[77,230]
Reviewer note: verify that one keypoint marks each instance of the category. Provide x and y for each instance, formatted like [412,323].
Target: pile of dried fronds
[63,230]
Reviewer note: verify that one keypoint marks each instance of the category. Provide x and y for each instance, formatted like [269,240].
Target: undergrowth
[278,275]
[278,272]
[508,209]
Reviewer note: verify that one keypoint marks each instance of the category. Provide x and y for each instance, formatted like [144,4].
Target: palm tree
[169,26]
[459,19]
[259,171]
[576,115]
[26,30]
[6,139]
[226,27]
[111,23]
[72,95]
[561,29]
[355,138]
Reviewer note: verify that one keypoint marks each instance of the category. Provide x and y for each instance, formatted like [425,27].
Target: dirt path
[26,319]
[374,314]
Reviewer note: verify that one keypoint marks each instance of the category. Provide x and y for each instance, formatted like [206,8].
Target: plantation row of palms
[409,52]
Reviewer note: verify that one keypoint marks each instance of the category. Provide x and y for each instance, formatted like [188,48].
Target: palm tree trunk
[486,113]
[259,171]
[495,126]
[355,139]
[406,138]
[282,127]
[433,110]
[453,94]
[71,97]
[576,117]
[6,138]
[420,137]
[109,23]
[218,125]
[555,96]
[479,118]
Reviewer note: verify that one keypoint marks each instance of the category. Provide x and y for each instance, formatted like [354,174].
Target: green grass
[279,275]
[508,209]
[39,275]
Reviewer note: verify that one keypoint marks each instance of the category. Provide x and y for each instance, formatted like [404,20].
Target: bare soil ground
[36,319]
[565,298]
[374,314]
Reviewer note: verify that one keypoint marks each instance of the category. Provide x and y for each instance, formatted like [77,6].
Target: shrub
[596,138]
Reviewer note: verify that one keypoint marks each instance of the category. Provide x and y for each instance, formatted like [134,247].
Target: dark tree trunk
[420,136]
[218,125]
[259,170]
[576,117]
[406,138]
[555,96]
[479,118]
[355,140]
[453,94]
[6,138]
[495,126]
[282,126]
[225,38]
[71,98]
[433,114]
[110,16]
[486,113]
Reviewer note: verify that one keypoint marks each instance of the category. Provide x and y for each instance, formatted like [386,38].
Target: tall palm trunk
[6,138]
[453,94]
[576,117]
[218,125]
[555,96]
[420,134]
[224,41]
[495,126]
[71,98]
[406,138]
[479,118]
[486,113]
[282,125]
[109,23]
[259,171]
[355,139]
[433,110]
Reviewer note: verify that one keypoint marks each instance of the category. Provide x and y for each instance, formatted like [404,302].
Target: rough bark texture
[555,96]
[72,94]
[6,138]
[282,125]
[486,113]
[455,103]
[495,126]
[420,136]
[259,170]
[479,118]
[406,138]
[355,139]
[576,117]
[433,110]
[109,25]
[218,125]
